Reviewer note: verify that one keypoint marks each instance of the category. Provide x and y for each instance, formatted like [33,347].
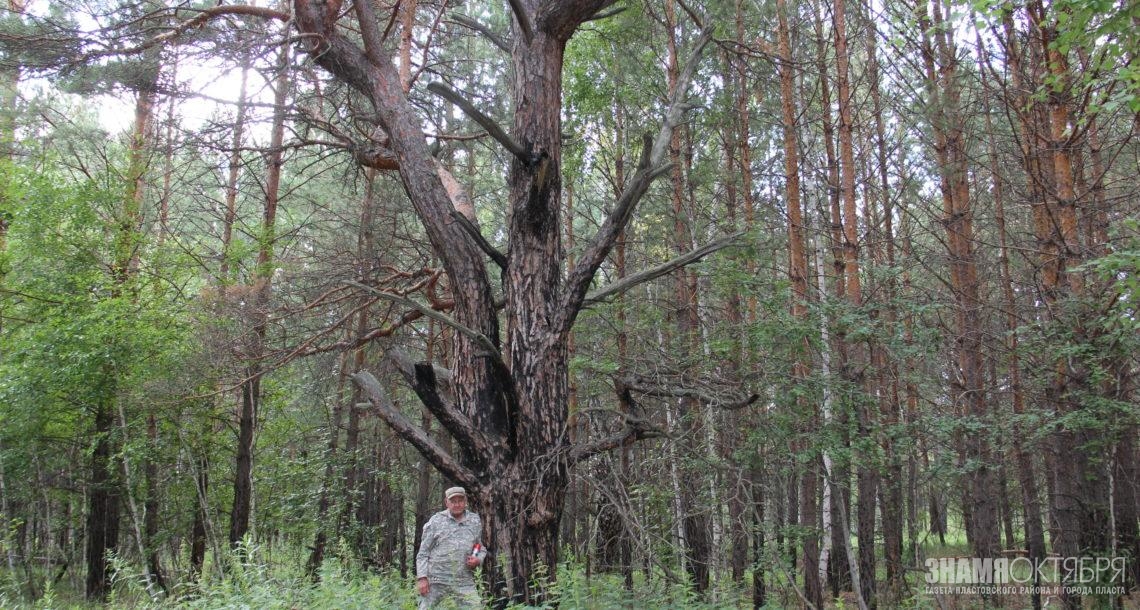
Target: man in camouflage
[450,550]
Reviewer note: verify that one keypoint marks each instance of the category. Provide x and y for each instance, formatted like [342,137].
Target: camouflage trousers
[463,596]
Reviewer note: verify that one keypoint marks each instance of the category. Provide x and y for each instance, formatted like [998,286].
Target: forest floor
[281,585]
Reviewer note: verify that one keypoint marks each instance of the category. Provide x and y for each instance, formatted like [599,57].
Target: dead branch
[483,120]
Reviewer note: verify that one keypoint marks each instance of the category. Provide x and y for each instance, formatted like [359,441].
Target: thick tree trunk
[510,409]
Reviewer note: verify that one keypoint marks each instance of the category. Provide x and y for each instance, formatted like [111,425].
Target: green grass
[272,581]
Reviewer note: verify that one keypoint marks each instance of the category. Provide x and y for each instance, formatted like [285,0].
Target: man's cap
[454,491]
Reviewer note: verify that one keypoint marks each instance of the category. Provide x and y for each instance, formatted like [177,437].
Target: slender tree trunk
[1126,502]
[243,470]
[407,15]
[9,98]
[102,532]
[736,74]
[201,517]
[839,578]
[233,171]
[967,379]
[6,515]
[324,502]
[867,477]
[132,506]
[1074,501]
[106,487]
[798,272]
[355,466]
[694,517]
[240,514]
[615,545]
[151,527]
[1006,509]
[1027,478]
[890,492]
[759,561]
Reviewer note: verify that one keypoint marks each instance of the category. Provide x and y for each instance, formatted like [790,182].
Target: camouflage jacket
[445,545]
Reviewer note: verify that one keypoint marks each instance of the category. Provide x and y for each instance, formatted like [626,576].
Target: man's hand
[472,562]
[423,586]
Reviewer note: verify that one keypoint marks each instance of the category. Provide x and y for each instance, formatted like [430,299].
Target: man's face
[456,505]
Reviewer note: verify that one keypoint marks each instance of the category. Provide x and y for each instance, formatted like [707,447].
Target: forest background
[707,303]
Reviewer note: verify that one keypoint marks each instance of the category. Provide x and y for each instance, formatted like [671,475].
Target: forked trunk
[511,394]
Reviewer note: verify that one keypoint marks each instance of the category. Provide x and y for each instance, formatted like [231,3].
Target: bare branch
[483,120]
[444,319]
[560,18]
[697,19]
[495,39]
[649,168]
[424,384]
[642,385]
[634,431]
[598,16]
[523,20]
[376,157]
[635,428]
[195,22]
[646,275]
[499,258]
[402,426]
[407,367]
[677,107]
[369,32]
